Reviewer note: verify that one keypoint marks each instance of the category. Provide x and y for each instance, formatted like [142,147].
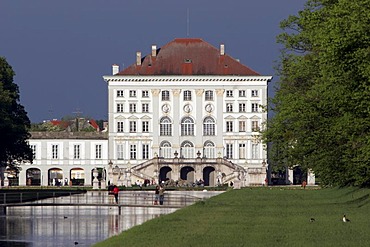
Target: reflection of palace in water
[184,113]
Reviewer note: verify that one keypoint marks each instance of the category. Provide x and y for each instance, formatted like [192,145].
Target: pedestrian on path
[156,195]
[115,192]
[304,184]
[161,195]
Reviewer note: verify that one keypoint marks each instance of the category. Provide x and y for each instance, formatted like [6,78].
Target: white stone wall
[197,85]
[65,161]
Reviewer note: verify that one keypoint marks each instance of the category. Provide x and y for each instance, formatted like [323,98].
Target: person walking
[161,195]
[115,192]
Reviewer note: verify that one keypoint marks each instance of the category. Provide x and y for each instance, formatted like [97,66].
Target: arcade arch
[209,176]
[187,173]
[33,176]
[165,174]
[77,176]
[55,176]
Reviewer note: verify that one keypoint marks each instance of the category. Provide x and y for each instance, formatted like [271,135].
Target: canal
[85,225]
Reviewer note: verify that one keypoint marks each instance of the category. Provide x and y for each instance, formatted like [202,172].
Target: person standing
[161,195]
[304,184]
[110,193]
[156,195]
[115,192]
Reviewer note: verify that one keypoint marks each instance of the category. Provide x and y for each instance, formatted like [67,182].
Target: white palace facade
[185,112]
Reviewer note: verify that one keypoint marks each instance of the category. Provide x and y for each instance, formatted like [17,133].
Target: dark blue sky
[60,50]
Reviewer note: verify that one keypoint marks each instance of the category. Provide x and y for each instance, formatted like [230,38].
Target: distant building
[188,111]
[184,113]
[62,158]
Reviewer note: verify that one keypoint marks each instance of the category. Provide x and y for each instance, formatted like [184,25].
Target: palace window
[229,126]
[120,151]
[255,126]
[254,93]
[229,151]
[145,151]
[132,152]
[54,151]
[255,151]
[254,107]
[165,95]
[187,95]
[242,107]
[76,151]
[229,107]
[242,151]
[145,107]
[145,126]
[132,107]
[229,93]
[145,94]
[242,93]
[209,126]
[187,150]
[187,127]
[165,127]
[98,151]
[119,107]
[132,93]
[208,95]
[209,150]
[132,126]
[242,126]
[119,93]
[120,127]
[165,149]
[33,147]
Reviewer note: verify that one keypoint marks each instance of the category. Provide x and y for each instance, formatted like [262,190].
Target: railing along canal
[95,198]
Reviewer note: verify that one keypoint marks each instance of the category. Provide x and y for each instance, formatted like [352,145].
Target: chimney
[138,58]
[222,49]
[154,50]
[115,69]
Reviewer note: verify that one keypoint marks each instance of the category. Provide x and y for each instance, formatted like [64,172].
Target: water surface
[84,225]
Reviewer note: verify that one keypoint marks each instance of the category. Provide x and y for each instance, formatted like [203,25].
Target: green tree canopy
[322,104]
[14,122]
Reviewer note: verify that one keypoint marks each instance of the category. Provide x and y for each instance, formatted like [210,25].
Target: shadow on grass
[360,202]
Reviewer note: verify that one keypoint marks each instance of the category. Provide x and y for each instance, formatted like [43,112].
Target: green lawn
[260,217]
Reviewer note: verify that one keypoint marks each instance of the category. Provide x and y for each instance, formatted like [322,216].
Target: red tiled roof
[94,124]
[60,123]
[188,57]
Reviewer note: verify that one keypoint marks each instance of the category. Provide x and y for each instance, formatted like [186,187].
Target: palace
[185,112]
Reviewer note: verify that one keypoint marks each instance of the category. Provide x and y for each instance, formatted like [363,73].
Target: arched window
[165,127]
[165,149]
[187,127]
[209,150]
[187,150]
[209,126]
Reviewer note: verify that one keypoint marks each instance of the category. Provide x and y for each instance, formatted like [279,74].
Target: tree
[14,122]
[322,105]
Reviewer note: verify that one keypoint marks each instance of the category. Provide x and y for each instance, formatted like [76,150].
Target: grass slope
[260,217]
